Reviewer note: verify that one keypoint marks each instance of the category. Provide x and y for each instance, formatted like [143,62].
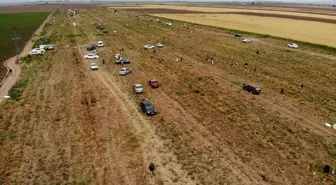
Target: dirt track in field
[15,67]
[172,11]
[76,126]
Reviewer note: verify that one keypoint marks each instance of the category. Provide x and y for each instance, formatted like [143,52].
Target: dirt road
[77,126]
[13,65]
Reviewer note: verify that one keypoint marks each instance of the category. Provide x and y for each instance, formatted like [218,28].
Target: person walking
[301,86]
[181,59]
[282,91]
[103,61]
[152,169]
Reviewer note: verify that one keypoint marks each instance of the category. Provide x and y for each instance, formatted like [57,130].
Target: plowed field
[77,126]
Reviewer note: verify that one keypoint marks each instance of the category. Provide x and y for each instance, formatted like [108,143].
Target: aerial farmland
[222,100]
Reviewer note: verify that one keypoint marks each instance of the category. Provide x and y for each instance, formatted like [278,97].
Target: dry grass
[210,132]
[210,9]
[307,31]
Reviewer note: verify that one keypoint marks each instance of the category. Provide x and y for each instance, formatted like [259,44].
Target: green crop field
[26,23]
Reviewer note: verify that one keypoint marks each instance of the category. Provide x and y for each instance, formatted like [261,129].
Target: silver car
[125,71]
[138,88]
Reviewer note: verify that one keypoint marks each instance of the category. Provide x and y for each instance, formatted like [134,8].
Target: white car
[246,40]
[91,56]
[159,45]
[125,71]
[39,50]
[138,88]
[149,46]
[93,66]
[293,45]
[169,24]
[100,44]
[46,47]
[33,52]
[49,47]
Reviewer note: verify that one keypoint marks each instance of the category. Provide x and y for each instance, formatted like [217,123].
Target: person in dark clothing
[301,86]
[246,64]
[152,168]
[282,90]
[181,59]
[103,61]
[10,70]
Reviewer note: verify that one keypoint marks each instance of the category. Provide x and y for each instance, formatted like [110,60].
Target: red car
[153,83]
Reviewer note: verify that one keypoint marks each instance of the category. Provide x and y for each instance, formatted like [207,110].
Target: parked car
[153,83]
[46,47]
[42,50]
[90,48]
[122,61]
[100,44]
[93,66]
[293,45]
[100,26]
[138,88]
[246,41]
[149,46]
[159,45]
[168,24]
[33,52]
[91,56]
[125,71]
[252,88]
[37,51]
[237,35]
[147,107]
[49,47]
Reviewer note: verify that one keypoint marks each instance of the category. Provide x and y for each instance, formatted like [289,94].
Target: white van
[100,44]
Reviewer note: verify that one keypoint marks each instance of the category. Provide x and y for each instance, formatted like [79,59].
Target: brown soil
[172,11]
[76,126]
[42,8]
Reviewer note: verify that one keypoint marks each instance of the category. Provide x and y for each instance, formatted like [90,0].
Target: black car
[123,61]
[90,48]
[252,88]
[237,35]
[147,107]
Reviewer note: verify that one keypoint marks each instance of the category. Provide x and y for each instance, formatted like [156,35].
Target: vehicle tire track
[152,147]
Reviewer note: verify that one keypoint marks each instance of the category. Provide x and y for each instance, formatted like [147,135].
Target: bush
[197,91]
[16,91]
[7,124]
[58,119]
[12,135]
[264,178]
